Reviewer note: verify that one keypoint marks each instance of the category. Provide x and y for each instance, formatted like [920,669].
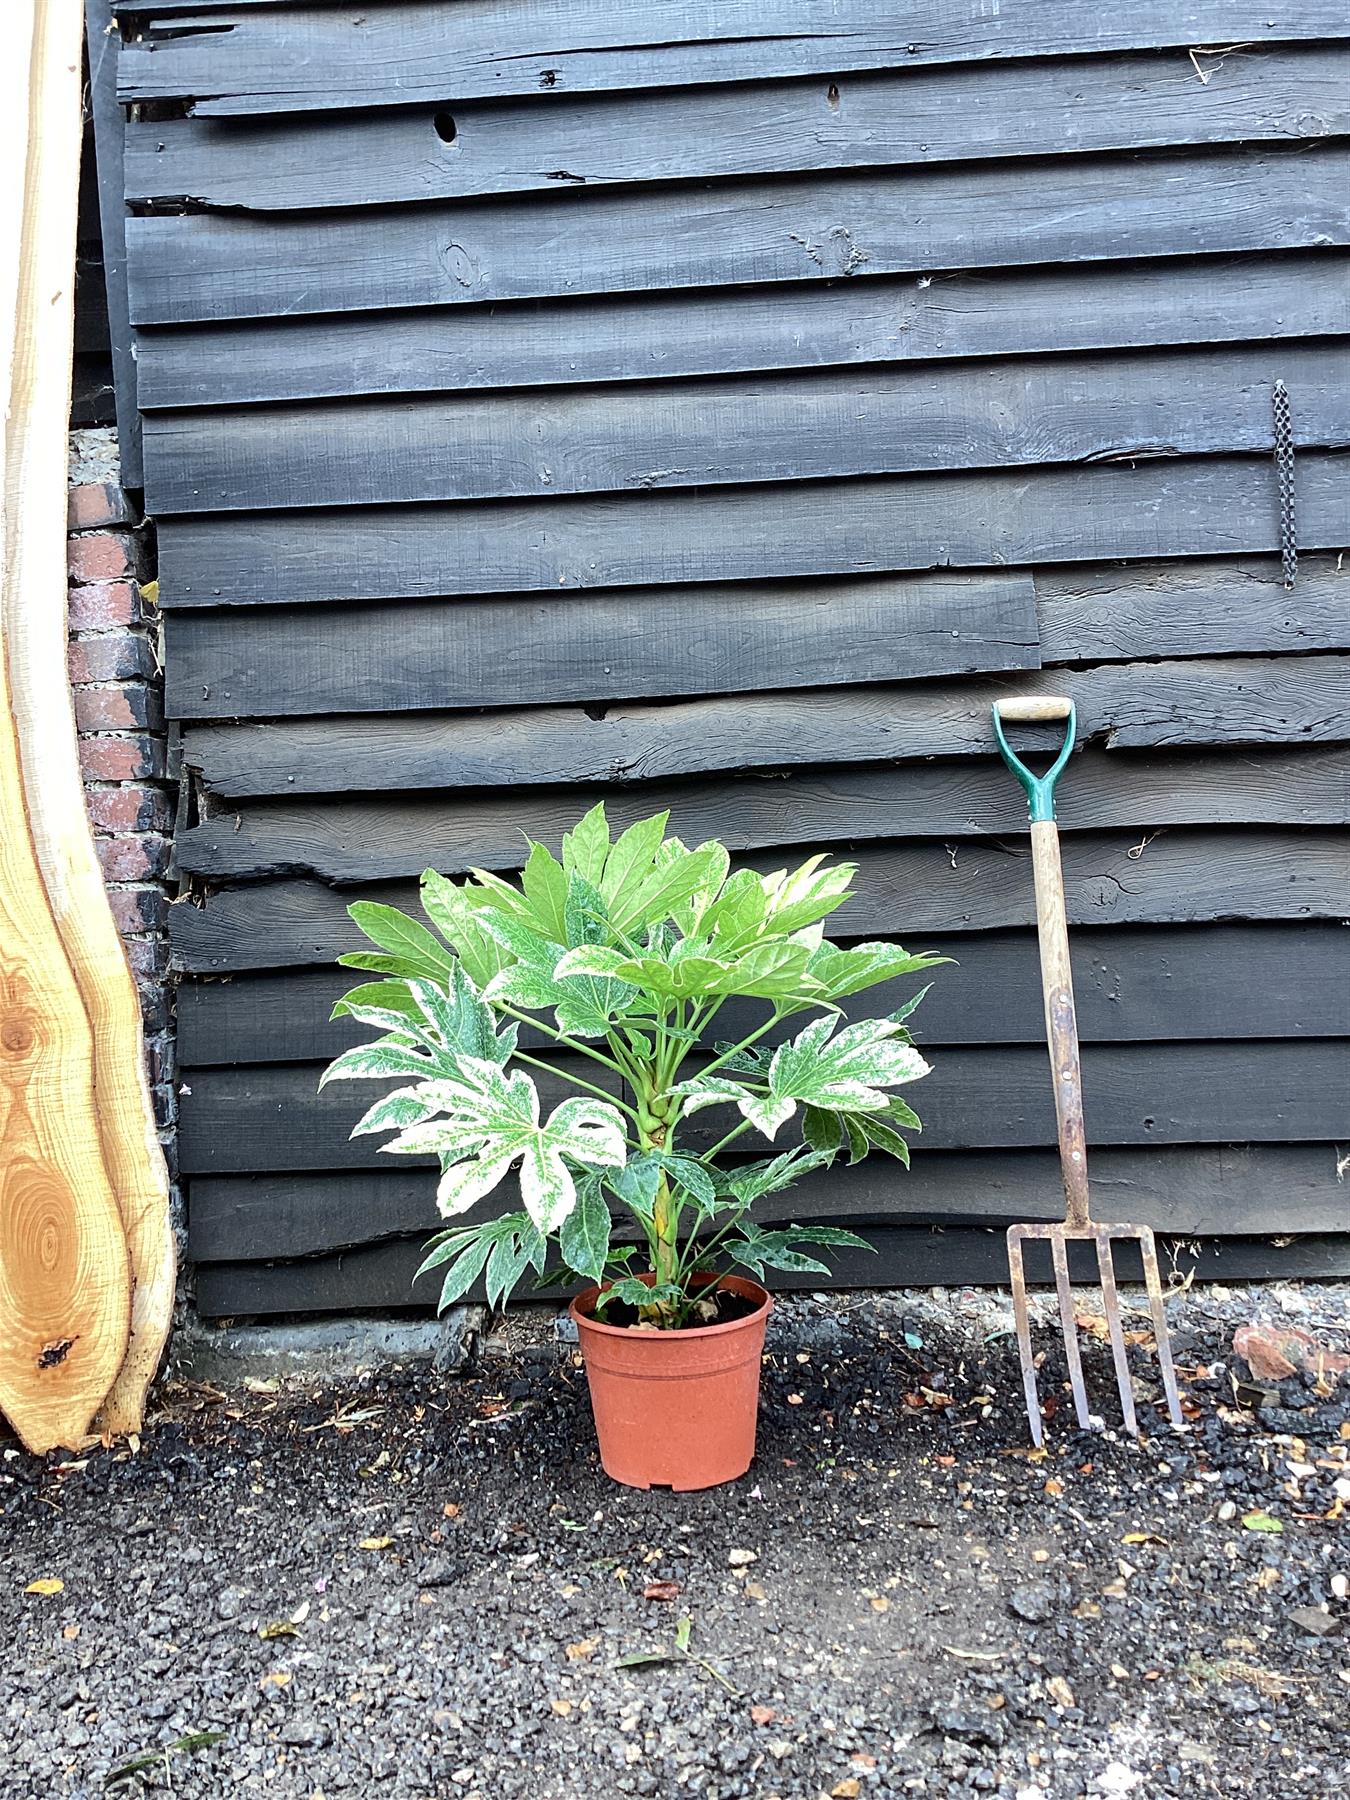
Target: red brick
[134,757]
[112,656]
[118,706]
[98,503]
[138,909]
[128,809]
[144,857]
[103,605]
[103,556]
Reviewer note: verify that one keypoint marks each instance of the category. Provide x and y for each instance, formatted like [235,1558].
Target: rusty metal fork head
[1059,1237]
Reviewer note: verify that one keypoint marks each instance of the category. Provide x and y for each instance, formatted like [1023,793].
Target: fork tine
[1153,1282]
[1017,1276]
[1106,1269]
[1060,1252]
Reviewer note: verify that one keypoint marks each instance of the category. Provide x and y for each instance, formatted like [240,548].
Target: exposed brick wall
[119,712]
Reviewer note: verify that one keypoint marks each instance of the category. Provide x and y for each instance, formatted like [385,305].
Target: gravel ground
[420,1585]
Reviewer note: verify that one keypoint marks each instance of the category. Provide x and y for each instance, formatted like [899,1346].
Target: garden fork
[1062,1035]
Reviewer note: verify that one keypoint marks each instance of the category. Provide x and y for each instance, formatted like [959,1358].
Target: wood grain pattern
[310,58]
[797,228]
[380,839]
[622,337]
[1246,700]
[380,1276]
[256,1120]
[1220,1191]
[521,652]
[1180,507]
[1151,983]
[65,1280]
[909,891]
[452,151]
[801,427]
[1112,612]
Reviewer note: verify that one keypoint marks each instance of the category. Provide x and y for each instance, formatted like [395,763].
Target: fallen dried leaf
[880,1603]
[578,1652]
[1143,1537]
[46,1584]
[661,1590]
[376,1543]
[1261,1521]
[762,1715]
[278,1628]
[847,1789]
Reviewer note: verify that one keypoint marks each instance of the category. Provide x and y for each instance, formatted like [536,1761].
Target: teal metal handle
[1040,789]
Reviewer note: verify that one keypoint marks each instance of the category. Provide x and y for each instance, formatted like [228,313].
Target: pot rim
[588,1296]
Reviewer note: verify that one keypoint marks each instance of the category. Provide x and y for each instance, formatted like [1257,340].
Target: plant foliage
[618,960]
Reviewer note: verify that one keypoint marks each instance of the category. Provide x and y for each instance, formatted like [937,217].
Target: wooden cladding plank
[312,59]
[817,228]
[909,891]
[1114,612]
[519,652]
[381,1277]
[1151,984]
[1219,1191]
[451,151]
[1168,507]
[625,338]
[598,646]
[265,1120]
[1256,700]
[382,839]
[792,428]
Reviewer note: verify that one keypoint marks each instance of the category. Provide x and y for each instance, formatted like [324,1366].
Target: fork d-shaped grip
[1040,789]
[1052,930]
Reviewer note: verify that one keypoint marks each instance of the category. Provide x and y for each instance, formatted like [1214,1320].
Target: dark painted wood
[513,652]
[304,59]
[267,1119]
[910,892]
[1181,507]
[1114,612]
[446,152]
[104,43]
[1151,984]
[422,655]
[220,266]
[790,428]
[1212,1191]
[380,1276]
[382,839]
[624,338]
[1266,700]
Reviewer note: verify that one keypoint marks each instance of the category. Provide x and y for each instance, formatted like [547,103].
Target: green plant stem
[590,1087]
[731,1136]
[744,1044]
[559,1037]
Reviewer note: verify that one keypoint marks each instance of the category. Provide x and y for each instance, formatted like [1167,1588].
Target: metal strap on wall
[1284,470]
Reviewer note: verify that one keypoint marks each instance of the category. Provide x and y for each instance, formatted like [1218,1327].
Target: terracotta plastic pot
[675,1409]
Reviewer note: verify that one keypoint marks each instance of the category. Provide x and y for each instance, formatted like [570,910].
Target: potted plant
[607,972]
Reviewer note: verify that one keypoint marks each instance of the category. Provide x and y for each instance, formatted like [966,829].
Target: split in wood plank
[311,58]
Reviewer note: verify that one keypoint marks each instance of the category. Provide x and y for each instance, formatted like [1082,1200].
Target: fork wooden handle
[1061,1024]
[1026,709]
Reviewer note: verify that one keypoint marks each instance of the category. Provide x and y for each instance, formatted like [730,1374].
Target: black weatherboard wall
[715,407]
